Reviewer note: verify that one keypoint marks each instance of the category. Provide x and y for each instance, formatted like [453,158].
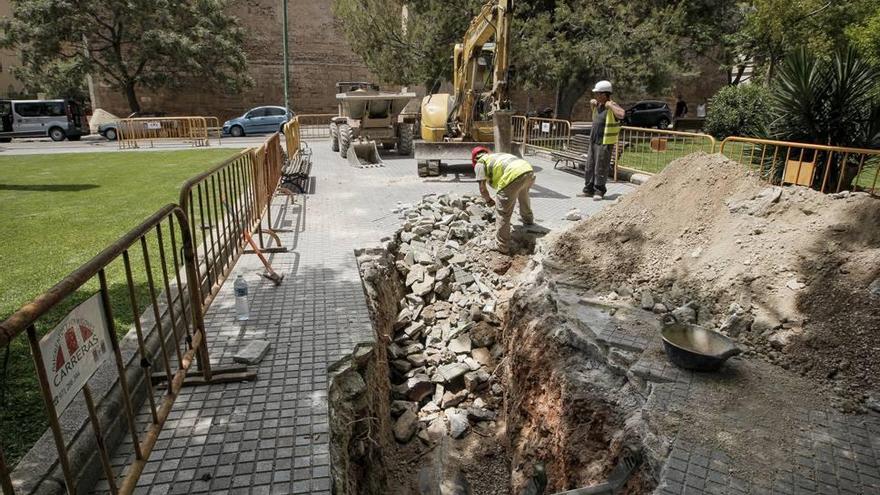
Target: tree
[132,45]
[865,36]
[558,45]
[774,28]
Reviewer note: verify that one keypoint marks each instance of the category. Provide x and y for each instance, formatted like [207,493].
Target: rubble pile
[444,349]
[789,272]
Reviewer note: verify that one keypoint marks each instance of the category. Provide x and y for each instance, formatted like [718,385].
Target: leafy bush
[738,111]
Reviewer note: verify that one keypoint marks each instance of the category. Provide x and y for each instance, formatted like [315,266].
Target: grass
[58,212]
[638,154]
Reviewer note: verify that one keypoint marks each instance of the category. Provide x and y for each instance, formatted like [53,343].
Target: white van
[58,119]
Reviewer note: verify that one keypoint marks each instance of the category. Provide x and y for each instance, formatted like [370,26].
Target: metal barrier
[315,126]
[651,150]
[214,128]
[145,279]
[293,137]
[547,134]
[518,129]
[132,133]
[824,168]
[221,205]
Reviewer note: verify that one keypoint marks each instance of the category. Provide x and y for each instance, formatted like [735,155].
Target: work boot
[588,190]
[599,194]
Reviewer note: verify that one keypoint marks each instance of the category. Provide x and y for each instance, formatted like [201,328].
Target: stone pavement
[271,435]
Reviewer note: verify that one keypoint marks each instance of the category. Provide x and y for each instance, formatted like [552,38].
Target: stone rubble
[443,353]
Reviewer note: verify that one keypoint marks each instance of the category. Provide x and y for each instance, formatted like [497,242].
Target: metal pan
[695,348]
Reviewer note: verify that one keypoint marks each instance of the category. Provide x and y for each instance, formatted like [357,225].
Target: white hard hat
[602,87]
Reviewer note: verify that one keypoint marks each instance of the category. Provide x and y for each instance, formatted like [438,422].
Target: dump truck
[452,124]
[368,117]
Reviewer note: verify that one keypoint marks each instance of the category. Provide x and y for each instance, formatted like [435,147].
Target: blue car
[257,120]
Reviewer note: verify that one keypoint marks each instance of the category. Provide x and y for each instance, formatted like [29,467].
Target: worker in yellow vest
[511,177]
[603,137]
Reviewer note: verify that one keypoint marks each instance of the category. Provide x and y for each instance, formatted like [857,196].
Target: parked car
[649,113]
[257,120]
[58,119]
[110,130]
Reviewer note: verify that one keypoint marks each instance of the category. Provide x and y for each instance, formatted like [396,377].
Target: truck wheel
[345,138]
[334,137]
[57,134]
[405,139]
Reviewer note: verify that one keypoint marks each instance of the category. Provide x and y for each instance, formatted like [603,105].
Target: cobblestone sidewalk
[271,435]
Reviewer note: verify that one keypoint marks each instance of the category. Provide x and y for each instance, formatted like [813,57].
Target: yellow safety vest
[502,169]
[612,127]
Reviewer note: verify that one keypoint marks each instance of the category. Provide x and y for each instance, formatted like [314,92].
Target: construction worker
[603,137]
[510,177]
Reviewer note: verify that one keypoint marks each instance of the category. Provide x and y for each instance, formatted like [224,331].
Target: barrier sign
[74,350]
[154,126]
[545,126]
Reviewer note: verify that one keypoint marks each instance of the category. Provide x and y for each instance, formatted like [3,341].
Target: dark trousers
[598,167]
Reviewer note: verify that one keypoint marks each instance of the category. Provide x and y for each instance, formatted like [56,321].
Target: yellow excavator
[452,124]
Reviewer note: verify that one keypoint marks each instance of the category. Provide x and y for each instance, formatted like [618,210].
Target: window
[54,109]
[28,109]
[41,109]
[257,112]
[274,112]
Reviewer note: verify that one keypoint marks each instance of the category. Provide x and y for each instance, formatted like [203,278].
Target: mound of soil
[788,271]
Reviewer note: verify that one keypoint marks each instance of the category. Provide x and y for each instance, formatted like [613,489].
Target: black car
[649,113]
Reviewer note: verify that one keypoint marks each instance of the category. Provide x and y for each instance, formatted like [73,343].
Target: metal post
[286,61]
[503,129]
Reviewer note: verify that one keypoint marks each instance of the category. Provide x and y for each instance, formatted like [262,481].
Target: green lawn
[638,155]
[58,211]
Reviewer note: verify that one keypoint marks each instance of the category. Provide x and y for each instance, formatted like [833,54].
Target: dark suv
[649,113]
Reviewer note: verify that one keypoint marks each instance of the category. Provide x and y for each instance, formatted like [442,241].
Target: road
[96,143]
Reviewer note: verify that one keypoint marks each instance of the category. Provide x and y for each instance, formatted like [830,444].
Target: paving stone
[252,353]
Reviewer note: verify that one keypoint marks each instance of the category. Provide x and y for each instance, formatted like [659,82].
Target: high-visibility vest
[503,168]
[612,126]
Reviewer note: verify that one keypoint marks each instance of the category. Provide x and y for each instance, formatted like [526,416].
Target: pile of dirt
[791,273]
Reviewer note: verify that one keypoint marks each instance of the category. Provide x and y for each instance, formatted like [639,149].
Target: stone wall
[319,55]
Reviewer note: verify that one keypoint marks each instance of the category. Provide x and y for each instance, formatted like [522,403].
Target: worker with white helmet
[603,137]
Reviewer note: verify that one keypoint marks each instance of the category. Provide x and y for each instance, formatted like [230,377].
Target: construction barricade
[518,129]
[649,151]
[152,131]
[547,134]
[825,168]
[144,281]
[315,126]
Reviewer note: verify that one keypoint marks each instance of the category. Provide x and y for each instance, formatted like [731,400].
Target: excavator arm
[492,23]
[453,116]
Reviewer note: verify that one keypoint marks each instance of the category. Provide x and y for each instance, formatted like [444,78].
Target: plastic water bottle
[242,313]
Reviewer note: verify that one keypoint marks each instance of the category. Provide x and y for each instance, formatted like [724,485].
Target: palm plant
[827,101]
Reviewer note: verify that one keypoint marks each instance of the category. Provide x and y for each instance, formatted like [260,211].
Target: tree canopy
[131,45]
[557,45]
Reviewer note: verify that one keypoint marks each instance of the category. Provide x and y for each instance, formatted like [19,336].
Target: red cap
[476,152]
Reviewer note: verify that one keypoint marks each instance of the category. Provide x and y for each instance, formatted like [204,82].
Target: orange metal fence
[547,134]
[825,168]
[651,150]
[315,126]
[137,132]
[169,268]
[107,294]
[518,129]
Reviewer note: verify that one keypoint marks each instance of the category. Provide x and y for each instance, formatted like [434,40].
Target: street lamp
[286,61]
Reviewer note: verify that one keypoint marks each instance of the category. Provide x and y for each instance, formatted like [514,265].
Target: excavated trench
[485,376]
